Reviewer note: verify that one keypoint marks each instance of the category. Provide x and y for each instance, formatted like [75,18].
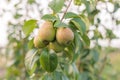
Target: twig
[66,10]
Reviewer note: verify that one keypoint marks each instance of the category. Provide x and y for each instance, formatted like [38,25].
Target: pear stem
[66,10]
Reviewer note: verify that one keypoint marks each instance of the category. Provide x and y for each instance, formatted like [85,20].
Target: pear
[64,35]
[47,32]
[38,42]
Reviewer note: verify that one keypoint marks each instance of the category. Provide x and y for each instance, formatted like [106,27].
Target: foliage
[78,61]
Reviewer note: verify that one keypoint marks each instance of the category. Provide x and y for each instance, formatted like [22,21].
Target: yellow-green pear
[64,35]
[38,43]
[47,32]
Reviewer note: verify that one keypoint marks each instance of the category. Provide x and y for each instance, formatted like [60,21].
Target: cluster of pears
[53,38]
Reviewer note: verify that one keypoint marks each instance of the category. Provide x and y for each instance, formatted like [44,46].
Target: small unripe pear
[64,35]
[56,47]
[47,32]
[38,43]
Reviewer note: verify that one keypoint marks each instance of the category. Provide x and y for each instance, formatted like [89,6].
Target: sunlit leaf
[86,20]
[79,24]
[78,46]
[49,17]
[31,1]
[58,23]
[30,61]
[86,39]
[30,44]
[77,2]
[56,5]
[70,15]
[29,26]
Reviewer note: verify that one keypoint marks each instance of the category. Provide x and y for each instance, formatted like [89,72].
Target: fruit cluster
[55,39]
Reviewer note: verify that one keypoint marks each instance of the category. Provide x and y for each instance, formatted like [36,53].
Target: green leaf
[78,43]
[56,5]
[117,22]
[59,76]
[49,17]
[69,52]
[47,77]
[29,26]
[86,40]
[86,20]
[78,46]
[97,34]
[70,15]
[58,23]
[30,44]
[88,8]
[30,61]
[116,6]
[75,68]
[77,2]
[85,53]
[110,34]
[48,61]
[84,76]
[31,1]
[79,24]
[95,55]
[16,16]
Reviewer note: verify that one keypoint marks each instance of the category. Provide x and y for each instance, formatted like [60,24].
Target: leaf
[116,6]
[70,15]
[86,20]
[78,43]
[84,76]
[78,46]
[31,1]
[77,2]
[56,5]
[88,8]
[86,39]
[30,44]
[64,77]
[79,24]
[85,53]
[97,34]
[30,61]
[29,26]
[58,23]
[49,17]
[47,77]
[117,22]
[69,52]
[17,16]
[75,69]
[59,76]
[48,61]
[95,55]
[110,34]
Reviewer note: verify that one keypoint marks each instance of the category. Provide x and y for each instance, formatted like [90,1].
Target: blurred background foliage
[102,61]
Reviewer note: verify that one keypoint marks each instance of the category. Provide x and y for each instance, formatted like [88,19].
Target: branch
[66,10]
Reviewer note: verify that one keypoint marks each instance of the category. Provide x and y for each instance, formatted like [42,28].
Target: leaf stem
[66,10]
